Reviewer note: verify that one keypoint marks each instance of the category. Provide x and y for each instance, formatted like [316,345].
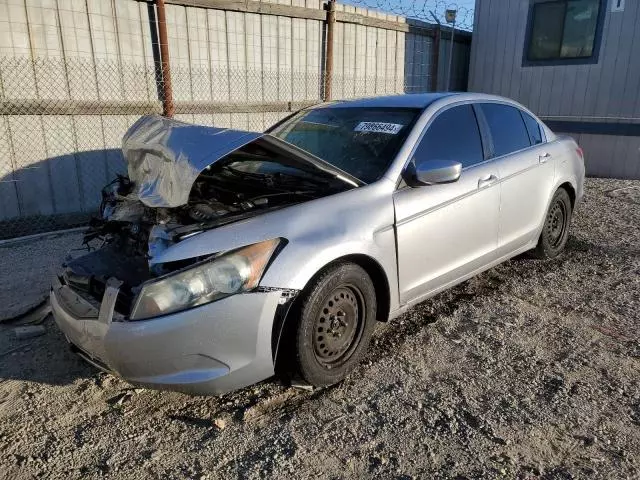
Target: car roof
[408,100]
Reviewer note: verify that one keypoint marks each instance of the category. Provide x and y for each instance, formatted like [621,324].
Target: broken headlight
[227,274]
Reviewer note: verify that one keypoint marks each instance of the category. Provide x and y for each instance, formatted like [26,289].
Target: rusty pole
[168,107]
[328,65]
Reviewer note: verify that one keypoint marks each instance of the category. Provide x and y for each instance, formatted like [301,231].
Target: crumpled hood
[166,156]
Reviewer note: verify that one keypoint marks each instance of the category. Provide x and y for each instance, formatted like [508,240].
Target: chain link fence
[60,129]
[63,113]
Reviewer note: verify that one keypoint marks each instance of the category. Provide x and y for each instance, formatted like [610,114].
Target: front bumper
[211,349]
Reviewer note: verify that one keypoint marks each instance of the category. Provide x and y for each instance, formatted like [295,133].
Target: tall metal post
[450,16]
[168,108]
[435,55]
[328,65]
[453,31]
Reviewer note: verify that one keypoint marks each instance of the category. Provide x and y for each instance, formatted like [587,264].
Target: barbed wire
[421,9]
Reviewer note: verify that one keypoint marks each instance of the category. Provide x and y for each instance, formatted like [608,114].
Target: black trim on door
[485,133]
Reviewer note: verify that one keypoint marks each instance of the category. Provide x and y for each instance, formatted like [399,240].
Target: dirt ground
[530,370]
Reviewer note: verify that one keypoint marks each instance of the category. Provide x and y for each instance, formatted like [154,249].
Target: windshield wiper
[314,164]
[279,178]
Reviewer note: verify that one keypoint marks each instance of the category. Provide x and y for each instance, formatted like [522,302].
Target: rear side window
[453,135]
[507,128]
[533,127]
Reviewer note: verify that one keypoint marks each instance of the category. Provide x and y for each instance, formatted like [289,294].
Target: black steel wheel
[337,318]
[339,325]
[555,231]
[556,223]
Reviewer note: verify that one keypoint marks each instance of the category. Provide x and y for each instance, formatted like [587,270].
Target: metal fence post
[168,107]
[435,55]
[453,32]
[435,59]
[328,65]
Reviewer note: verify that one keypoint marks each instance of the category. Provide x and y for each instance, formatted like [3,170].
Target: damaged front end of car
[184,180]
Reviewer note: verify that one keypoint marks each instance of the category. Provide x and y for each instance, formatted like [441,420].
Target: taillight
[580,152]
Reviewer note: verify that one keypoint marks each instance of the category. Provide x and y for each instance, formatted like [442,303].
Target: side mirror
[432,172]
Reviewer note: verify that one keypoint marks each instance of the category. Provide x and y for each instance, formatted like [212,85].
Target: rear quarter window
[507,128]
[533,127]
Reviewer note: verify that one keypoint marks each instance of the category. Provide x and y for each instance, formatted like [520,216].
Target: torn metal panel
[166,156]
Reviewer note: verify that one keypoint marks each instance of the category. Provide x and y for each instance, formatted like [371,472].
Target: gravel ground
[529,370]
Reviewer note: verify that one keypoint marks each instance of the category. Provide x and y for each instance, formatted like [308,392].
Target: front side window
[453,135]
[362,141]
[507,128]
[563,30]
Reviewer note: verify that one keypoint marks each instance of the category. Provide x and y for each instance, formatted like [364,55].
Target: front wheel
[556,226]
[337,319]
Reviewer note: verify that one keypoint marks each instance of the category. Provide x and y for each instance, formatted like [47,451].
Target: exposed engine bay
[248,182]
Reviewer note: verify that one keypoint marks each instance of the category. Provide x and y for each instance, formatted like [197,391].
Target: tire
[337,318]
[555,231]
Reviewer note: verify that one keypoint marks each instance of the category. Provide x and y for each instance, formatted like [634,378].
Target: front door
[447,231]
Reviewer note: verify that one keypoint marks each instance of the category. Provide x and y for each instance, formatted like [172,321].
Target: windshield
[361,141]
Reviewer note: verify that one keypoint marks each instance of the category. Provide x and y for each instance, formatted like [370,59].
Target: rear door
[447,231]
[526,173]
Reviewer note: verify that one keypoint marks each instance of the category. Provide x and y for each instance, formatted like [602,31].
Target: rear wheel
[556,226]
[337,319]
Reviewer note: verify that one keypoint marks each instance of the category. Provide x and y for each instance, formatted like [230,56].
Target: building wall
[583,98]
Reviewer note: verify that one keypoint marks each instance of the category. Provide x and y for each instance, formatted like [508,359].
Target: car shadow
[56,192]
[580,245]
[45,359]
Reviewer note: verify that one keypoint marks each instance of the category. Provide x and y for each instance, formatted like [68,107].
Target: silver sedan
[225,257]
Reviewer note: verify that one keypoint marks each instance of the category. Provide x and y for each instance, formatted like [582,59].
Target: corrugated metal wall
[369,61]
[606,92]
[229,56]
[75,74]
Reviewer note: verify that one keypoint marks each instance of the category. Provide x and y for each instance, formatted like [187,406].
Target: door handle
[544,158]
[486,181]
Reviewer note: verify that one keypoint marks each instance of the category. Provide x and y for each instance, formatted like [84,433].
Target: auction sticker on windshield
[378,127]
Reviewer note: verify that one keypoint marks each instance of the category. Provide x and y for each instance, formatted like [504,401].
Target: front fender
[299,261]
[359,221]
